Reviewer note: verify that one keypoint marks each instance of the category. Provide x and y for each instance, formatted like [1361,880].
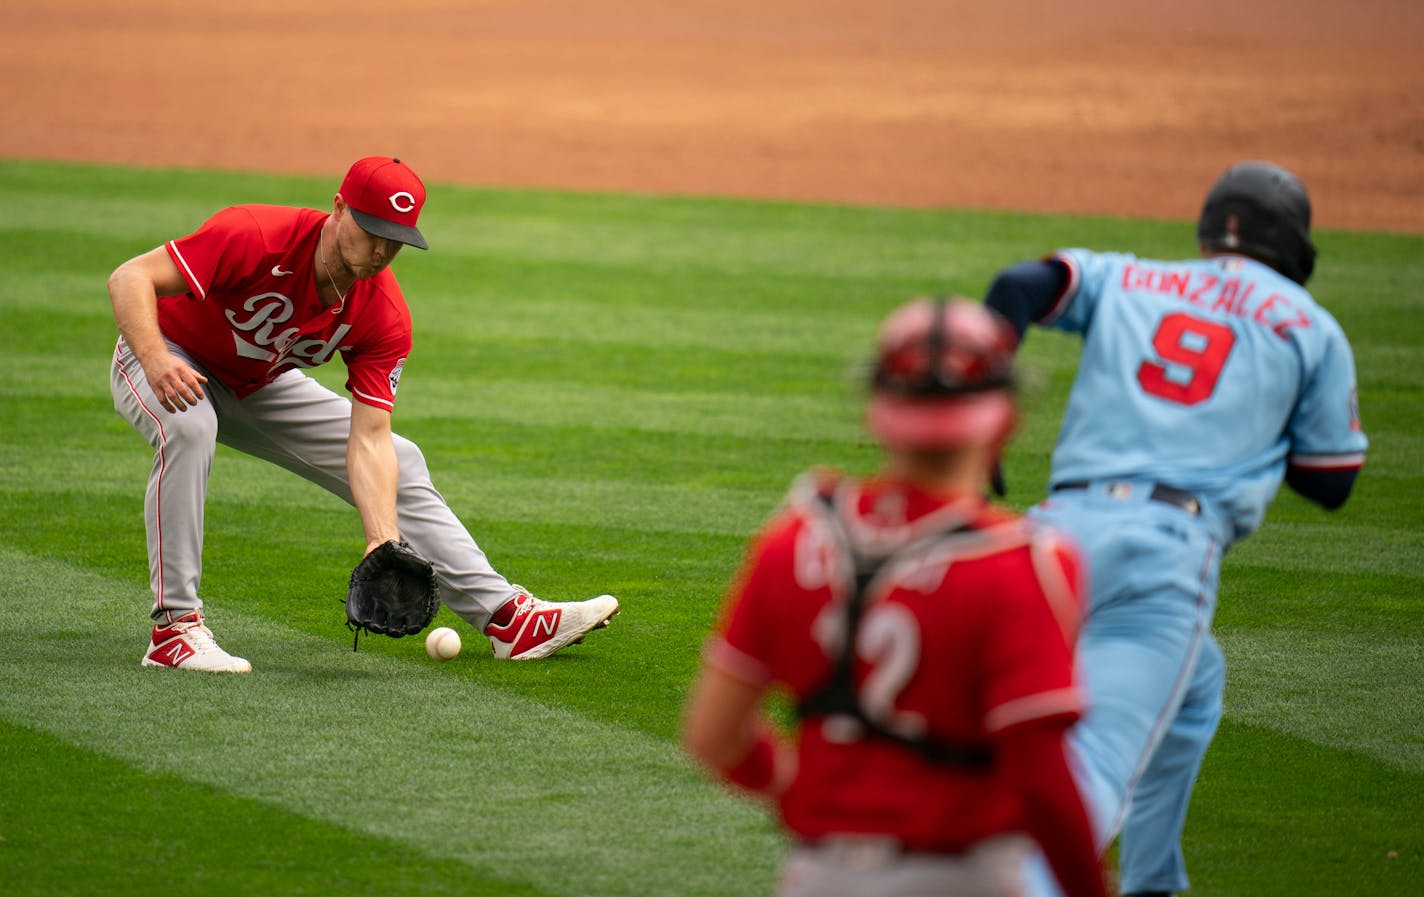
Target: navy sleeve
[1327,488]
[1027,291]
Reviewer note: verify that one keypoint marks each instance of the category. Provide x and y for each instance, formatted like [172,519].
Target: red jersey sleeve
[1030,638]
[228,245]
[745,644]
[374,368]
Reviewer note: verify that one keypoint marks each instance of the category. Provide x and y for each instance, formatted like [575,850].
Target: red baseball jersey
[963,637]
[253,310]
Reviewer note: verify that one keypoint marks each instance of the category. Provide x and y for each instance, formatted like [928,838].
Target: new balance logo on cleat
[188,644]
[171,653]
[545,623]
[528,628]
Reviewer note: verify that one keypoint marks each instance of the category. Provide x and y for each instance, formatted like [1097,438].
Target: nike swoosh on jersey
[278,272]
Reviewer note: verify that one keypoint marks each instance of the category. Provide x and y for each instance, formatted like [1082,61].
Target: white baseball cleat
[188,644]
[538,628]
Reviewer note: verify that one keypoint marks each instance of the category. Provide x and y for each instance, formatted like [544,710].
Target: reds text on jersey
[253,310]
[964,641]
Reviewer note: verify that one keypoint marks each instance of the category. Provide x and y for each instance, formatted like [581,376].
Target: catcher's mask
[943,376]
[1260,210]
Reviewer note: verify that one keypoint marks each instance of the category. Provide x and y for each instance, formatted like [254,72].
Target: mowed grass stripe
[484,497]
[528,500]
[91,818]
[738,415]
[1282,817]
[753,410]
[1349,691]
[510,787]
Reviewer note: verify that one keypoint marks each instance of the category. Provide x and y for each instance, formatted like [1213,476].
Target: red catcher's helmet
[943,376]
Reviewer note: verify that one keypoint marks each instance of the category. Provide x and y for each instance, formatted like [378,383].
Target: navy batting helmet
[1261,210]
[943,376]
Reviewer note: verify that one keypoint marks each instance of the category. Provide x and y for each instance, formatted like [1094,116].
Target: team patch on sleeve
[395,375]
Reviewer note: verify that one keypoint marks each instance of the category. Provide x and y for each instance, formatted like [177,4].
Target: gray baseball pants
[856,866]
[295,423]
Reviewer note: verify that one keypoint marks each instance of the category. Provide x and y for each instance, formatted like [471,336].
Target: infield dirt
[1097,106]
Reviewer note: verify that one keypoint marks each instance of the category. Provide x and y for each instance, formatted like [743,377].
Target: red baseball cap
[385,198]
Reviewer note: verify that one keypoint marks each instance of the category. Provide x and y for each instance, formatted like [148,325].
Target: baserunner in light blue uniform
[1202,384]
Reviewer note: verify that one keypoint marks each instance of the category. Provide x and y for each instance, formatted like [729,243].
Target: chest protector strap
[836,696]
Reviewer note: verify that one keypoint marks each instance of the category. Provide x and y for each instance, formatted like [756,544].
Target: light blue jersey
[1209,375]
[1200,382]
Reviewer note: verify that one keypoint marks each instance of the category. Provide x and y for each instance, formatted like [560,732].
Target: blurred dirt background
[1097,106]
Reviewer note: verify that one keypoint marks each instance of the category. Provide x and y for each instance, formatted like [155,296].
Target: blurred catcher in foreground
[926,637]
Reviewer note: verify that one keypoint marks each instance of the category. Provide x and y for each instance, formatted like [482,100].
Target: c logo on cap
[402,201]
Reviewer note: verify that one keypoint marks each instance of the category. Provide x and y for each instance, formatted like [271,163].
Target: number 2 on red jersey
[889,642]
[1184,341]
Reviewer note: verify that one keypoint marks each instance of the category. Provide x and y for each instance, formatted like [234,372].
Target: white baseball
[442,643]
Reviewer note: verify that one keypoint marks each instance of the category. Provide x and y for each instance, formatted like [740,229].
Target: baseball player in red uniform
[216,331]
[926,638]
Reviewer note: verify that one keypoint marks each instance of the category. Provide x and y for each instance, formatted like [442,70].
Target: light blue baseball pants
[1153,673]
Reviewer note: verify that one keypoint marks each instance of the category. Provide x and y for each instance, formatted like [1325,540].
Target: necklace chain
[321,245]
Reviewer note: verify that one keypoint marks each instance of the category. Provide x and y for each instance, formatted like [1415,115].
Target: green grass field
[613,392]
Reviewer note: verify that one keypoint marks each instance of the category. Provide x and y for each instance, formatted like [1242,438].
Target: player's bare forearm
[374,473]
[134,288]
[724,729]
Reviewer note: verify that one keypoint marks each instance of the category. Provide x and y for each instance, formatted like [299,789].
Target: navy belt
[1167,495]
